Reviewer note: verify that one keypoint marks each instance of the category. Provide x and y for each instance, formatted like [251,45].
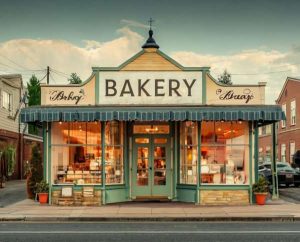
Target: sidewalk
[29,210]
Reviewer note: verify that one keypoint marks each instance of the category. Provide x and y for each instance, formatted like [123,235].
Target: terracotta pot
[43,198]
[261,198]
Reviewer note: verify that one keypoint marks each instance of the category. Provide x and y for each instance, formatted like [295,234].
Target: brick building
[13,133]
[289,130]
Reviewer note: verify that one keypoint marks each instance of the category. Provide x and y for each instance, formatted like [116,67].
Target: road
[13,192]
[290,194]
[146,231]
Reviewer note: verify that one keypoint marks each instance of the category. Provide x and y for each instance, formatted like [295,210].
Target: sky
[254,40]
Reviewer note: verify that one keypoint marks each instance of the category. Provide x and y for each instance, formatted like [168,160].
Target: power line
[14,62]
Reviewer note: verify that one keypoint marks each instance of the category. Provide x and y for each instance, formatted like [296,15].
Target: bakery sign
[244,95]
[150,88]
[74,97]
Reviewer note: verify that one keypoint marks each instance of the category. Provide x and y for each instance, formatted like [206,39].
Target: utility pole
[48,74]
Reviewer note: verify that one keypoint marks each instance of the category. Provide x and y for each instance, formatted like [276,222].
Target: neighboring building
[151,129]
[12,132]
[288,131]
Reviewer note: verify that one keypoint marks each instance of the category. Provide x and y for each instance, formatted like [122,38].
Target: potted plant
[260,190]
[42,189]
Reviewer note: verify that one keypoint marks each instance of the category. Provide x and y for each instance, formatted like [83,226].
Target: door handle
[150,168]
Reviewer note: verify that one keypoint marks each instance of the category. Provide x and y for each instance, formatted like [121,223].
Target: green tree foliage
[34,91]
[74,79]
[225,78]
[35,171]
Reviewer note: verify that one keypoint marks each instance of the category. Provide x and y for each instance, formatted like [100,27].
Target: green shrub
[42,187]
[261,186]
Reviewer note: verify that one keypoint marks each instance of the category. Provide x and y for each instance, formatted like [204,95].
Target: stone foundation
[80,197]
[224,197]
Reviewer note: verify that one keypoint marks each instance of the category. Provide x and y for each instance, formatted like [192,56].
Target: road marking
[152,232]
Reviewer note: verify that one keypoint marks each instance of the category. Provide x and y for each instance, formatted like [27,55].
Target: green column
[199,164]
[103,160]
[251,160]
[204,87]
[275,194]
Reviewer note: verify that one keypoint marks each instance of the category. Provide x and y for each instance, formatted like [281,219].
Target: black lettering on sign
[158,87]
[141,87]
[110,85]
[173,88]
[127,85]
[247,95]
[189,86]
[57,95]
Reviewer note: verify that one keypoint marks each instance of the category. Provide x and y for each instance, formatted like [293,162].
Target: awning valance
[263,113]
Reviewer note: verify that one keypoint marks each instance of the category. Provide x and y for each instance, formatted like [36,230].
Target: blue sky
[246,37]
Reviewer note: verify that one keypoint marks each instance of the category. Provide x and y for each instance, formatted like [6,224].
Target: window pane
[93,133]
[207,132]
[240,133]
[224,164]
[151,129]
[113,133]
[76,164]
[78,132]
[223,133]
[188,152]
[114,152]
[114,165]
[59,132]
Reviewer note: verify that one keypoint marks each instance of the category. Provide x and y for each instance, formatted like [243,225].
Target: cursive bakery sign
[242,95]
[70,96]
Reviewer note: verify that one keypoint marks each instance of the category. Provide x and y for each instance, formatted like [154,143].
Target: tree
[74,79]
[225,78]
[35,168]
[34,91]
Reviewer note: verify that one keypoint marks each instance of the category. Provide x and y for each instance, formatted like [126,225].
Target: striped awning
[262,113]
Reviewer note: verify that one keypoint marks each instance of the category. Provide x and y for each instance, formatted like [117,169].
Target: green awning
[261,113]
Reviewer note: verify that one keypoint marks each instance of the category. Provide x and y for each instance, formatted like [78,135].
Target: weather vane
[150,23]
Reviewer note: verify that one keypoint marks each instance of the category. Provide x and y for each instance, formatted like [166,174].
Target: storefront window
[224,152]
[114,163]
[76,152]
[188,152]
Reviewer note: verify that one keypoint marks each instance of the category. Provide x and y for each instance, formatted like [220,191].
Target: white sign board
[150,88]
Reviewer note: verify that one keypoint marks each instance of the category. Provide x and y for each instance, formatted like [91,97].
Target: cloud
[133,23]
[32,54]
[259,64]
[249,66]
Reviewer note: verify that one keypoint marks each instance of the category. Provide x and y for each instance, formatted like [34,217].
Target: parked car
[287,175]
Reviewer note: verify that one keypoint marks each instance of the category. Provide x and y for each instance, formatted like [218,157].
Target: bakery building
[151,129]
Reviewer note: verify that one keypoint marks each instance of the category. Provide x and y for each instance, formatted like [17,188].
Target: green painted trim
[250,161]
[199,163]
[204,87]
[175,159]
[126,157]
[97,88]
[256,152]
[186,186]
[103,159]
[275,193]
[45,149]
[225,187]
[114,187]
[49,161]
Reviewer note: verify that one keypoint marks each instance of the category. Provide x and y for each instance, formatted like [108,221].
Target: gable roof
[150,61]
[284,86]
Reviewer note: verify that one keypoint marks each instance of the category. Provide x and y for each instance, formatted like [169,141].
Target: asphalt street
[13,192]
[146,231]
[291,194]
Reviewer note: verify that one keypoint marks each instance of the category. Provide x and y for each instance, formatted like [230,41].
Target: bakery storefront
[151,129]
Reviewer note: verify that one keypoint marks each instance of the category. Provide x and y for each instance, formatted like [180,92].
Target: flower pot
[261,198]
[43,198]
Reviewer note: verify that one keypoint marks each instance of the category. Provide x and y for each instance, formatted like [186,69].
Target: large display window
[76,153]
[224,152]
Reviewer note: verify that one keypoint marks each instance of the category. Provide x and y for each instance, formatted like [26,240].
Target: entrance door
[151,167]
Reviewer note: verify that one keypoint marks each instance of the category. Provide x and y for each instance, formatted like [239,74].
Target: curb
[151,219]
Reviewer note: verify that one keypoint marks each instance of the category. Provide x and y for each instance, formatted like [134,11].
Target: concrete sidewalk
[29,210]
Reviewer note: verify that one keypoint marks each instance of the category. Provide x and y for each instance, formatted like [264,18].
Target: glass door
[151,168]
